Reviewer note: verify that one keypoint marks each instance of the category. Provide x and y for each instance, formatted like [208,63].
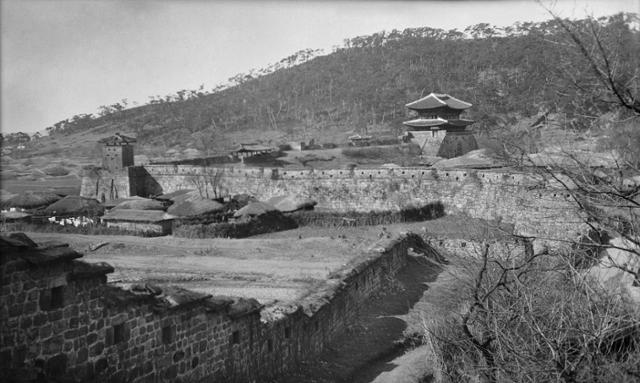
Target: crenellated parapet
[535,204]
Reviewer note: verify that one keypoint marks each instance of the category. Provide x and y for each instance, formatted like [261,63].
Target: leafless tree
[533,317]
[209,182]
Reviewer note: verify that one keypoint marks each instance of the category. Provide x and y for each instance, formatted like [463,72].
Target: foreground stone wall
[61,319]
[536,207]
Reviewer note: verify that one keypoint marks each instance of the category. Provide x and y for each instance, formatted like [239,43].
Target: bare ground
[266,269]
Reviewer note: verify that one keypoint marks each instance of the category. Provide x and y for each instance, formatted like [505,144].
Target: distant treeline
[504,72]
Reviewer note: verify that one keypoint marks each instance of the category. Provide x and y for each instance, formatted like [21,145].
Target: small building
[139,221]
[250,150]
[438,127]
[117,152]
[358,140]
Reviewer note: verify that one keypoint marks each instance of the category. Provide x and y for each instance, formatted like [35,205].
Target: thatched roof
[130,215]
[14,215]
[140,204]
[194,206]
[172,196]
[291,203]
[31,200]
[115,202]
[254,209]
[74,204]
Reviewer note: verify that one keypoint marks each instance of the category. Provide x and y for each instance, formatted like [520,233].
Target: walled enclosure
[60,318]
[536,207]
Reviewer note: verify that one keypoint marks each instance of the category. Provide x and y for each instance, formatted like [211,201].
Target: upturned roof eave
[437,100]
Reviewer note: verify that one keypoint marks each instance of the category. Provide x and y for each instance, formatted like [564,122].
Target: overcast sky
[65,57]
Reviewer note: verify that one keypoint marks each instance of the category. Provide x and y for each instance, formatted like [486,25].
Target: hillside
[508,74]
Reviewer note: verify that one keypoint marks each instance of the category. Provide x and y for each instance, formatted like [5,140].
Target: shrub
[530,319]
[353,218]
[267,223]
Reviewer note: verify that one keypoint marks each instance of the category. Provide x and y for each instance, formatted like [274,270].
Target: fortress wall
[474,248]
[535,207]
[98,332]
[105,185]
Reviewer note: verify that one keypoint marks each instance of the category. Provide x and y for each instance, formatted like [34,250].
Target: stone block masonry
[536,207]
[60,319]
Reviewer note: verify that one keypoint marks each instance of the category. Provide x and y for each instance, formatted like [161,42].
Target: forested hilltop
[363,86]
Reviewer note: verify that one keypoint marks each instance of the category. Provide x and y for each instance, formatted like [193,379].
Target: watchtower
[438,128]
[117,152]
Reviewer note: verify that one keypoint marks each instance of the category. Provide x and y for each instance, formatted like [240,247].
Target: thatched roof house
[140,221]
[31,200]
[74,205]
[15,216]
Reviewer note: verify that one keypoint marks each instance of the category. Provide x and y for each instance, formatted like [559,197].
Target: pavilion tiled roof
[460,122]
[438,100]
[426,122]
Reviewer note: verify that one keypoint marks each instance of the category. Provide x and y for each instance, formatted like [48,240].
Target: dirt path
[370,351]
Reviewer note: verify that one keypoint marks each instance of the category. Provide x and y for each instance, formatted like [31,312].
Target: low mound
[291,203]
[56,171]
[194,206]
[75,205]
[31,200]
[140,204]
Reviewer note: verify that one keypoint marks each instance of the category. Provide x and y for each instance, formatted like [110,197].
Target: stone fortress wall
[536,207]
[61,319]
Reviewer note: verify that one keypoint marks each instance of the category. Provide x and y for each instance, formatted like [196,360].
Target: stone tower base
[457,144]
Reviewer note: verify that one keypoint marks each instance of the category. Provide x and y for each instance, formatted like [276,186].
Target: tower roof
[438,100]
[117,139]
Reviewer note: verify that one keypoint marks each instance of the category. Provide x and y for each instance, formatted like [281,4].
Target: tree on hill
[369,80]
[546,315]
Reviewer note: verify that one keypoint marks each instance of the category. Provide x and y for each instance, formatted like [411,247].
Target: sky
[60,58]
